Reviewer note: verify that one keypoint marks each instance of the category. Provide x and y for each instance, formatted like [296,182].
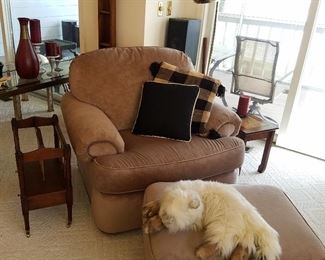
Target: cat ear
[194,203]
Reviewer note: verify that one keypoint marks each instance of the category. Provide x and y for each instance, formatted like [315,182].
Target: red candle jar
[51,49]
[35,30]
[243,104]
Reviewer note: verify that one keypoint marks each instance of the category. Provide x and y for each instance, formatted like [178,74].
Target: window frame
[7,34]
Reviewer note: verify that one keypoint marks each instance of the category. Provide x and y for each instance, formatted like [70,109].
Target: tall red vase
[26,61]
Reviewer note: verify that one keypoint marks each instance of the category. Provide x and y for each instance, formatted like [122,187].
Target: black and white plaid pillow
[208,89]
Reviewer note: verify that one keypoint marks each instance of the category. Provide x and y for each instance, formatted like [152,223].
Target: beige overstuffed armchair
[116,165]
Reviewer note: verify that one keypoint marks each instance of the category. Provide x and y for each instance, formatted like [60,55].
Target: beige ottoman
[298,241]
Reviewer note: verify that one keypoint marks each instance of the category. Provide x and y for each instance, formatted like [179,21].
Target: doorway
[303,130]
[274,20]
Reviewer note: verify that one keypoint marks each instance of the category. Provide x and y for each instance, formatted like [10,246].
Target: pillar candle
[51,49]
[35,31]
[243,104]
[59,52]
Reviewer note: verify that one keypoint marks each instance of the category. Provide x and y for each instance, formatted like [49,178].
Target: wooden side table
[45,173]
[256,128]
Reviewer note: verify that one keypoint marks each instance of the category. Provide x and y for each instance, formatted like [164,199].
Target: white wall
[88,20]
[130,15]
[187,8]
[156,26]
[137,22]
[49,12]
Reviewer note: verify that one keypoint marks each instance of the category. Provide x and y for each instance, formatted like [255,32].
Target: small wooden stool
[45,173]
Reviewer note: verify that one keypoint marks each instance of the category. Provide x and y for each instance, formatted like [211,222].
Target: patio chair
[254,70]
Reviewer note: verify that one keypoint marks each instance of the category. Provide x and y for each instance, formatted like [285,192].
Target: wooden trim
[109,30]
[113,23]
[204,54]
[6,28]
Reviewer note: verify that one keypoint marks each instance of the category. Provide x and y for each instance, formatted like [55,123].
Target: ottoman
[297,239]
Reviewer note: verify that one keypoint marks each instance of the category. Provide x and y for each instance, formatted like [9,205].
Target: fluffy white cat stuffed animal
[232,226]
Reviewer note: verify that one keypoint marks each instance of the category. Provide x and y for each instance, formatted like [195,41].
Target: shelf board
[105,12]
[106,23]
[105,44]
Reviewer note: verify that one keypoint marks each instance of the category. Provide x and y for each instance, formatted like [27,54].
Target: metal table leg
[50,107]
[17,106]
[66,87]
[24,97]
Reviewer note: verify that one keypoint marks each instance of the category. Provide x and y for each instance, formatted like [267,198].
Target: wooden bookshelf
[107,23]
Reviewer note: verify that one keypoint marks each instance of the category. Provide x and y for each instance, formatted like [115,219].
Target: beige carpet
[303,178]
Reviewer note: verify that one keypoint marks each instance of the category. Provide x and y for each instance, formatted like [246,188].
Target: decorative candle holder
[37,48]
[52,73]
[57,62]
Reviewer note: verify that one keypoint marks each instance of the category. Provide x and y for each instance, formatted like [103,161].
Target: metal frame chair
[254,70]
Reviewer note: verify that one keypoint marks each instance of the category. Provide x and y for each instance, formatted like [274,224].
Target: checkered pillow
[208,89]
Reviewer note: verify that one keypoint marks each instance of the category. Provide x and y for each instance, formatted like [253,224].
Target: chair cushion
[166,110]
[208,89]
[297,239]
[147,160]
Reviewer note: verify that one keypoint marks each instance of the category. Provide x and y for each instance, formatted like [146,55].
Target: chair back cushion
[112,79]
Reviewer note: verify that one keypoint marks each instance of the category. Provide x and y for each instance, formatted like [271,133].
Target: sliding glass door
[300,91]
[304,131]
[261,19]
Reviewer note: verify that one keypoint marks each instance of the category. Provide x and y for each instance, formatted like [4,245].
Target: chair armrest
[223,120]
[89,127]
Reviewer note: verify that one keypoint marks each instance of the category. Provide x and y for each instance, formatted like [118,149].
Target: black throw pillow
[166,110]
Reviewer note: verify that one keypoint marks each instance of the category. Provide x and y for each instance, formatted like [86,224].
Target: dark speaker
[76,35]
[68,30]
[183,35]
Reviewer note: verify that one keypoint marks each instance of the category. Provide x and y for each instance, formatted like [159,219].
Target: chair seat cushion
[148,159]
[297,239]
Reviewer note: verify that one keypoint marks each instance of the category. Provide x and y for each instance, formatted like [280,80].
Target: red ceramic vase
[26,61]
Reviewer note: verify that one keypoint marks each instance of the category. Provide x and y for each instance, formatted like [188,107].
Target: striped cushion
[208,89]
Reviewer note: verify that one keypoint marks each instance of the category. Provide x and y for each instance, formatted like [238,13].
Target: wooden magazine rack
[45,173]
